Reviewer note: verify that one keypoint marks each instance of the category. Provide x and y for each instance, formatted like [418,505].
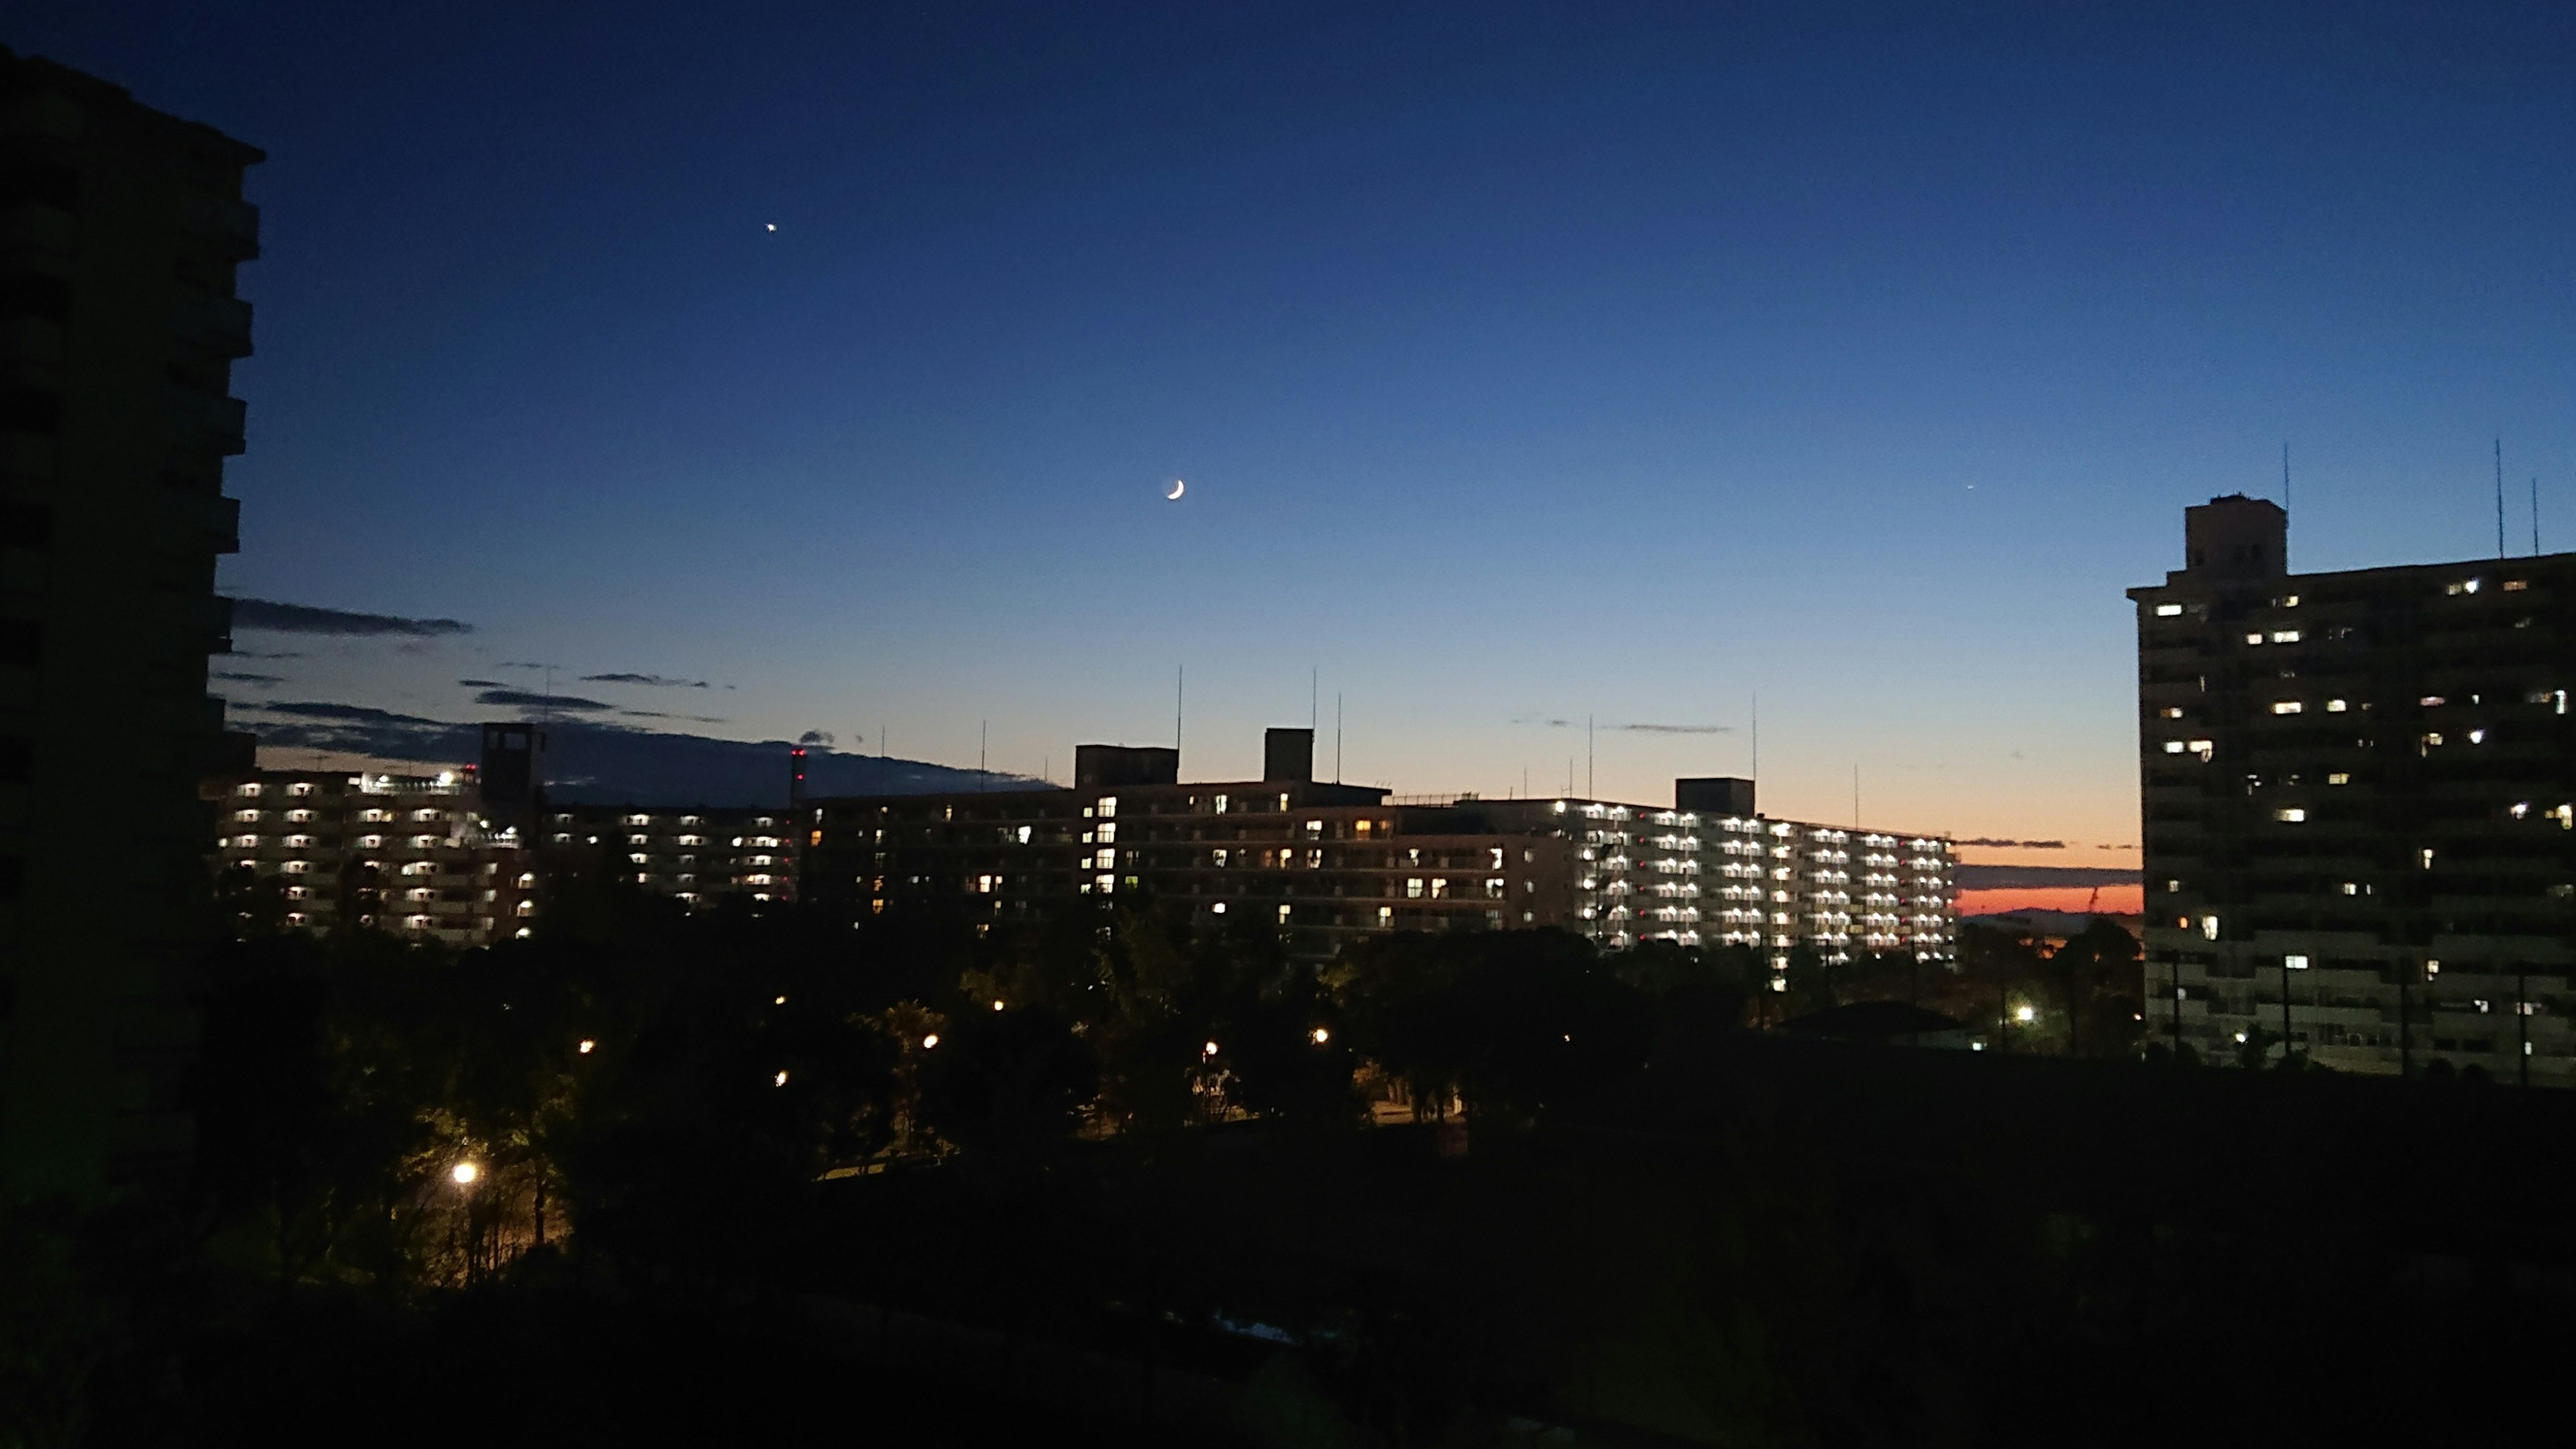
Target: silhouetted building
[1326,862]
[512,775]
[2359,792]
[120,229]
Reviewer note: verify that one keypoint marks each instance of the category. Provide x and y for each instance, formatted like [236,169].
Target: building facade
[698,854]
[411,855]
[2359,800]
[120,232]
[457,857]
[1325,863]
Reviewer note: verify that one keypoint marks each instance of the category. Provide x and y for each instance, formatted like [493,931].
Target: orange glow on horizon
[2115,900]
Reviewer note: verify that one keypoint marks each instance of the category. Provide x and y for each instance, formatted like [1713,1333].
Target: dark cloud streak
[270,616]
[525,699]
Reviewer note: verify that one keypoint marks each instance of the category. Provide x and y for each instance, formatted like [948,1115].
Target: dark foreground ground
[1787,1244]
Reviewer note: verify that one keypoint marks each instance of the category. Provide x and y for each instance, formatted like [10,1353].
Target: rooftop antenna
[2499,460]
[983,754]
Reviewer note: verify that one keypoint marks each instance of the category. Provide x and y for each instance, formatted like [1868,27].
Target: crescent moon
[1178,488]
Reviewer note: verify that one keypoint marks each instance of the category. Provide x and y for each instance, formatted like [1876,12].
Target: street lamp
[465,1173]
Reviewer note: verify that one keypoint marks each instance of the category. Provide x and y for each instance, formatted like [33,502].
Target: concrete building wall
[2359,800]
[120,231]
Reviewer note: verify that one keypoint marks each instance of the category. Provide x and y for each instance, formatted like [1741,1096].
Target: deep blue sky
[1526,362]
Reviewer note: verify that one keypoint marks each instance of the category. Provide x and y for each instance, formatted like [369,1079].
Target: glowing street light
[586,1045]
[2025,1014]
[1208,1050]
[464,1173]
[778,1081]
[930,1041]
[1321,1036]
[997,1006]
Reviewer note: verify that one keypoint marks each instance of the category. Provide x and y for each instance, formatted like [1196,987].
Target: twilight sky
[1526,362]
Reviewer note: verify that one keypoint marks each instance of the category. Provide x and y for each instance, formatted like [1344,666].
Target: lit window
[2254,638]
[1386,916]
[1108,806]
[2477,737]
[1413,888]
[2352,888]
[2431,701]
[2515,586]
[2465,586]
[2285,636]
[2209,928]
[2336,706]
[2168,611]
[2339,777]
[2521,808]
[1283,910]
[2171,712]
[2295,963]
[1220,804]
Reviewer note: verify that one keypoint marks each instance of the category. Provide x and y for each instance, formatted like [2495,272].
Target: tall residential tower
[120,229]
[2360,806]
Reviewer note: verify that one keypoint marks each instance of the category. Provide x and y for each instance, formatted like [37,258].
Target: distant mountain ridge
[590,763]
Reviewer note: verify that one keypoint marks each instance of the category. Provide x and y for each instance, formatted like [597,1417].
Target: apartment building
[407,854]
[1328,862]
[457,857]
[699,854]
[2359,798]
[120,232]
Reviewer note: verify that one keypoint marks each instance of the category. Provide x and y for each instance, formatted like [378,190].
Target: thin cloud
[244,676]
[264,654]
[2016,844]
[482,684]
[816,737]
[655,681]
[277,618]
[352,713]
[527,699]
[1631,727]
